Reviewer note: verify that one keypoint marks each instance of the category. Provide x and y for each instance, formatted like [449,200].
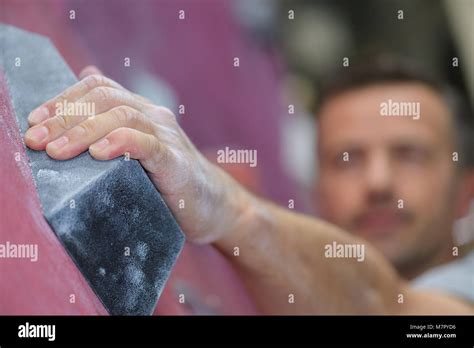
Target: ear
[465,193]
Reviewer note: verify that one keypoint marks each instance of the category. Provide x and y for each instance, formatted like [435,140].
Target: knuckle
[57,104]
[149,144]
[101,93]
[164,111]
[62,98]
[87,127]
[126,115]
[64,122]
[124,134]
[93,81]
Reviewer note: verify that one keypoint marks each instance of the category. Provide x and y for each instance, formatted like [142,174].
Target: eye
[347,159]
[411,153]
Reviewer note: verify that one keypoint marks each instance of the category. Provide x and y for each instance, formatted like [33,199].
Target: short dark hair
[383,69]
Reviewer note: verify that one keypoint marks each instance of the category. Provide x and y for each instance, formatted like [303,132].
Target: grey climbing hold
[108,215]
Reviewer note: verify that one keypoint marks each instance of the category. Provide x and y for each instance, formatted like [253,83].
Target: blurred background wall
[284,47]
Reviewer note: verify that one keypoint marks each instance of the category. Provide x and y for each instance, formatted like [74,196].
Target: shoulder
[455,278]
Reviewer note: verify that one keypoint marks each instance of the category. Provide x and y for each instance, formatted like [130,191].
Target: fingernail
[100,145]
[59,143]
[38,115]
[37,134]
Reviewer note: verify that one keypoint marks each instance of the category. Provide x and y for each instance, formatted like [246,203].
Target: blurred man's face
[389,179]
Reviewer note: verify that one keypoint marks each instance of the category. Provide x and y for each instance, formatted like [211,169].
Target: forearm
[279,254]
[281,258]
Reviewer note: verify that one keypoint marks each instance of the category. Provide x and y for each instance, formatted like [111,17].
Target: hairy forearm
[281,257]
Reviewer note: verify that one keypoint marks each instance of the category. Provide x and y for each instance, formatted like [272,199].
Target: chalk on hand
[108,215]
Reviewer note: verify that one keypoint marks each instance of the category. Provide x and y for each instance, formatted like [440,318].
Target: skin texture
[280,253]
[391,158]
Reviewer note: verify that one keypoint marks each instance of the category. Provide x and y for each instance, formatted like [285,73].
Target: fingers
[101,99]
[70,95]
[89,70]
[76,140]
[65,133]
[137,144]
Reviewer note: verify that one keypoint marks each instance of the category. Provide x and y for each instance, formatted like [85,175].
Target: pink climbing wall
[202,274]
[26,287]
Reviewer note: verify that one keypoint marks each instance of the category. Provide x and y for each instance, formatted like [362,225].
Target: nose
[379,178]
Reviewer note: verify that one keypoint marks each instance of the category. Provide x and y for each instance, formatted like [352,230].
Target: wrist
[248,221]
